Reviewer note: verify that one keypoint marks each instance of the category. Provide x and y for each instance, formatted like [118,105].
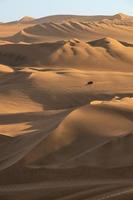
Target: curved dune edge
[5,69]
[75,138]
[57,155]
[114,124]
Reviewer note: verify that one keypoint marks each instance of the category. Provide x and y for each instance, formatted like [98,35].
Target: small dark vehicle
[89,83]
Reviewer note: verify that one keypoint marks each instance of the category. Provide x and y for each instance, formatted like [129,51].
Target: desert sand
[66,108]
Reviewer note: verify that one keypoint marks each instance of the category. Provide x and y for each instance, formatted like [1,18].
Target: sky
[11,10]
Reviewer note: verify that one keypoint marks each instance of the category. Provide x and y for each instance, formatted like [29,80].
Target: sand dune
[106,53]
[5,69]
[64,18]
[26,19]
[70,29]
[66,108]
[55,28]
[75,143]
[74,154]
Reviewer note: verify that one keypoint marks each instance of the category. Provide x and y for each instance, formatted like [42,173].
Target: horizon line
[60,14]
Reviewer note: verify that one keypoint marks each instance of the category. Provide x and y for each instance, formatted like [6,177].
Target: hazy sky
[15,9]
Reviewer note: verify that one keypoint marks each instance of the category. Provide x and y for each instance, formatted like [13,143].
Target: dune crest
[26,19]
[5,69]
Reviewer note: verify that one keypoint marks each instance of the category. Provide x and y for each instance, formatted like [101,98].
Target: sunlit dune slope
[100,54]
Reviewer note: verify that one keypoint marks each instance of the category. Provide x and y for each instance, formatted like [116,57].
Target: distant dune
[62,27]
[26,19]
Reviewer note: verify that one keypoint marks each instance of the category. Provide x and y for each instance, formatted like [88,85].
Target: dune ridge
[82,30]
[106,53]
[55,28]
